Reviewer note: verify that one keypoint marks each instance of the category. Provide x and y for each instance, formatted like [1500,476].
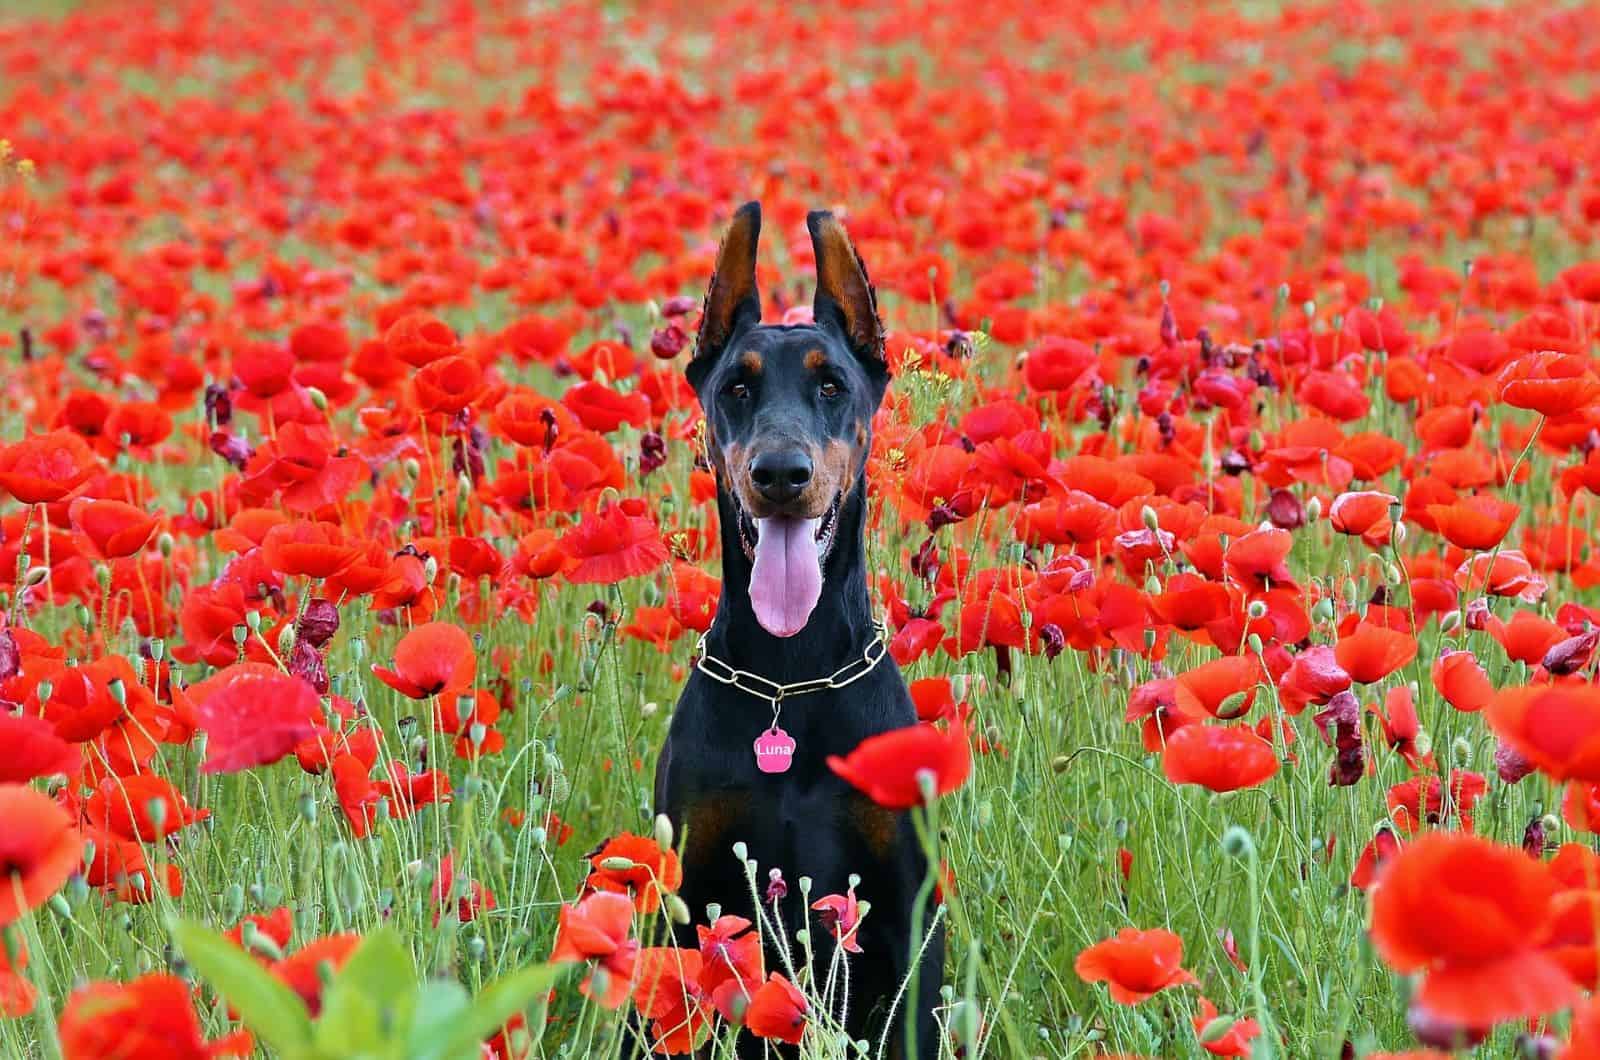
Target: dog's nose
[780,474]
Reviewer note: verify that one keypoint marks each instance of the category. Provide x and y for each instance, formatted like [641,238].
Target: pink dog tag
[774,751]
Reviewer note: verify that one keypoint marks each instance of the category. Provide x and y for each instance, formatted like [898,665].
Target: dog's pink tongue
[787,579]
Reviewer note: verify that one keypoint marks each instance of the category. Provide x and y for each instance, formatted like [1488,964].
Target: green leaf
[441,1005]
[496,1003]
[371,1001]
[268,1007]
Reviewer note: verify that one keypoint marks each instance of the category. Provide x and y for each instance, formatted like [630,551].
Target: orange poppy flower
[1372,652]
[888,767]
[39,849]
[1471,916]
[1555,727]
[1478,523]
[1135,964]
[434,659]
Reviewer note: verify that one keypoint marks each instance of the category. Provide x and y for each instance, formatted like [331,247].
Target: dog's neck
[838,631]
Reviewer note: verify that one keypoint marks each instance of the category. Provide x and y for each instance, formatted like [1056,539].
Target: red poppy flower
[1472,917]
[1477,523]
[1136,964]
[841,915]
[33,750]
[143,807]
[448,385]
[1549,383]
[253,715]
[650,871]
[1555,727]
[419,339]
[435,659]
[1365,514]
[603,409]
[302,971]
[46,468]
[150,1018]
[1461,681]
[596,928]
[1255,561]
[1372,652]
[308,549]
[39,850]
[17,995]
[888,767]
[668,992]
[117,530]
[619,541]
[778,1011]
[1218,758]
[1224,688]
[1235,1041]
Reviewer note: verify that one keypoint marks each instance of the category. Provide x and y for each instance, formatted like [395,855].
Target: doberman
[788,414]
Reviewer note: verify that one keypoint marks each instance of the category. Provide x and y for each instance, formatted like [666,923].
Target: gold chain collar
[774,692]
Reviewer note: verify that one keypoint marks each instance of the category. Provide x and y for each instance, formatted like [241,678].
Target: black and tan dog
[788,415]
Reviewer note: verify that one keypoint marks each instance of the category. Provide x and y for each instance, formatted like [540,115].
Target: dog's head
[788,411]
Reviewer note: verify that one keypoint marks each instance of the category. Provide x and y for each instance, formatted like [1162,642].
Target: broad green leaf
[369,1005]
[268,1007]
[441,1004]
[496,1003]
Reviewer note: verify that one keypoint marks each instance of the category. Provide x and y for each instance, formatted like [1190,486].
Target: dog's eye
[738,391]
[830,389]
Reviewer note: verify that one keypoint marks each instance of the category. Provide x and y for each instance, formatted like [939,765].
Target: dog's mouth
[786,554]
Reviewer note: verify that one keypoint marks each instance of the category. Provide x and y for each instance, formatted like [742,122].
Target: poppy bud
[1147,515]
[1322,610]
[412,469]
[1313,509]
[1510,764]
[677,909]
[318,399]
[59,906]
[308,808]
[663,832]
[119,692]
[649,709]
[1309,308]
[286,639]
[1236,842]
[1285,511]
[165,544]
[36,575]
[319,623]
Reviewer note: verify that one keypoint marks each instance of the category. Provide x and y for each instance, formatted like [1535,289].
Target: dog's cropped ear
[845,298]
[732,301]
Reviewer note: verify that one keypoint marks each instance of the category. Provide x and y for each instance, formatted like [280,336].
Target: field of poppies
[1233,514]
